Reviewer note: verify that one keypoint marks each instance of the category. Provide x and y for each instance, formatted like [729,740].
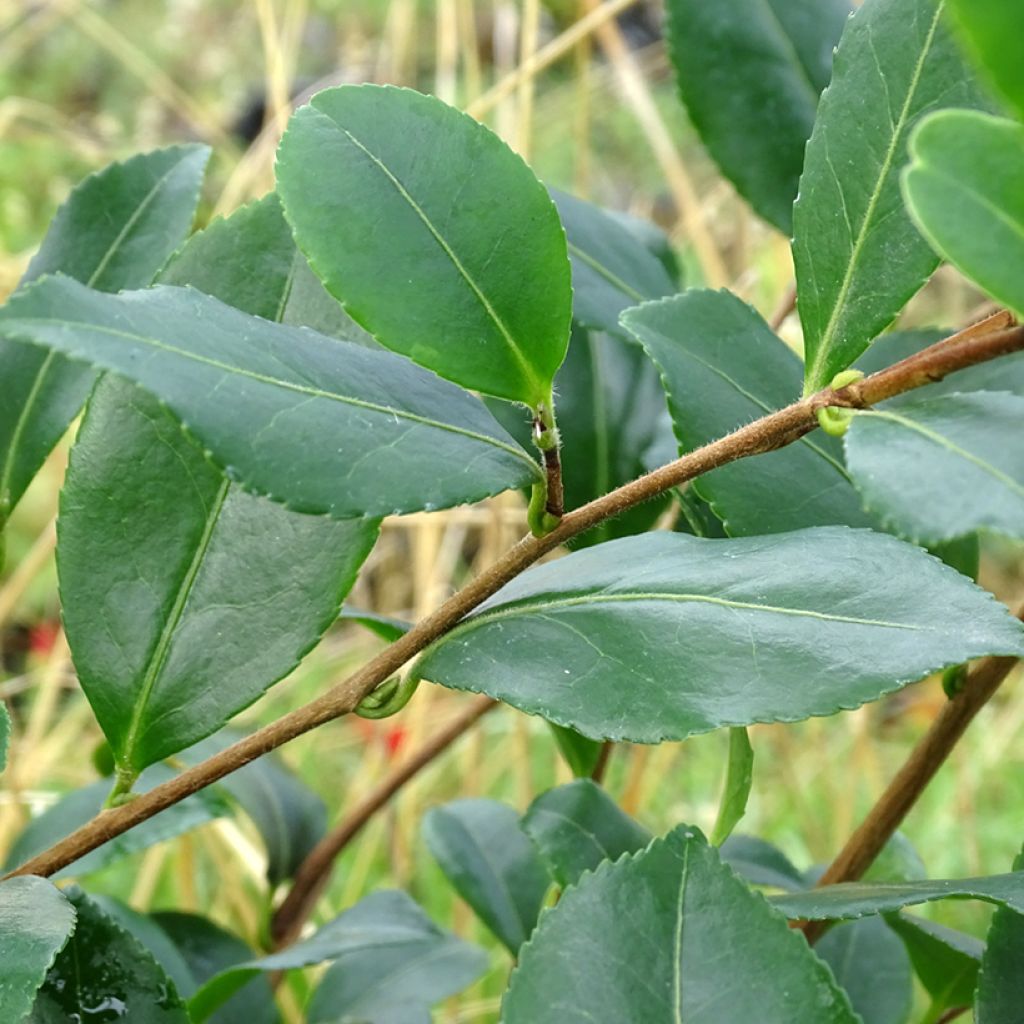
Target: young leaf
[277,386]
[104,966]
[858,257]
[873,968]
[433,233]
[82,805]
[723,366]
[761,863]
[491,863]
[750,73]
[739,776]
[387,953]
[940,468]
[577,826]
[611,269]
[115,231]
[1001,981]
[694,942]
[658,637]
[35,922]
[994,33]
[963,190]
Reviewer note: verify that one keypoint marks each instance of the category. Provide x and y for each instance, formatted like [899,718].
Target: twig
[786,306]
[315,870]
[952,1014]
[601,765]
[910,781]
[977,344]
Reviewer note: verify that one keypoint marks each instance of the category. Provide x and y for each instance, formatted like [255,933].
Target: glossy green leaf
[82,805]
[963,190]
[858,899]
[491,863]
[276,386]
[185,598]
[941,468]
[660,636]
[739,776]
[858,256]
[207,950]
[761,863]
[433,233]
[611,269]
[750,73]
[115,231]
[386,953]
[722,366]
[946,961]
[104,970]
[994,33]
[645,939]
[577,826]
[35,922]
[581,754]
[1001,982]
[873,968]
[290,818]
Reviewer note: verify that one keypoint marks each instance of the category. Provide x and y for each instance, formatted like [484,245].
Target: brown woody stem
[977,344]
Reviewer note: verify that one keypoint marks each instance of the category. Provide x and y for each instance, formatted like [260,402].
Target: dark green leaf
[581,754]
[386,627]
[386,436]
[82,805]
[963,189]
[433,233]
[722,366]
[491,863]
[750,73]
[115,231]
[386,953]
[1001,981]
[208,950]
[577,826]
[858,899]
[35,922]
[653,239]
[739,776]
[941,468]
[994,33]
[761,863]
[105,972]
[858,256]
[665,635]
[945,960]
[670,934]
[873,967]
[897,862]
[611,269]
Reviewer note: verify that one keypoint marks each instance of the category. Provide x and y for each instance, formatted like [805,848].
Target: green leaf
[611,269]
[670,934]
[963,190]
[386,953]
[653,239]
[491,863]
[940,468]
[750,73]
[433,233]
[208,950]
[761,863]
[858,899]
[578,826]
[5,734]
[384,626]
[580,753]
[660,636]
[35,922]
[994,33]
[103,966]
[945,960]
[115,231]
[858,256]
[722,366]
[739,777]
[82,805]
[290,818]
[1001,982]
[898,861]
[277,386]
[873,968]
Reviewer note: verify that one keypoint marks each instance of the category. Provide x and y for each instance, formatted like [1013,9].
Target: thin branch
[601,765]
[910,781]
[977,344]
[315,871]
[786,306]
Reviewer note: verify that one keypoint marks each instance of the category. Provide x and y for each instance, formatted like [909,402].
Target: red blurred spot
[42,637]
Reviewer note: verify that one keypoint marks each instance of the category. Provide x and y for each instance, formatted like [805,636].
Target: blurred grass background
[584,91]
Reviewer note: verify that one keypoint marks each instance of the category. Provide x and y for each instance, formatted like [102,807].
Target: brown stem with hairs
[977,344]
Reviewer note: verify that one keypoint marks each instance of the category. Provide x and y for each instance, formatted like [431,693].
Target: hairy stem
[977,344]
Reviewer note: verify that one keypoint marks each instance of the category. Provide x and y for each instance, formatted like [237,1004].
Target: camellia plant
[412,321]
